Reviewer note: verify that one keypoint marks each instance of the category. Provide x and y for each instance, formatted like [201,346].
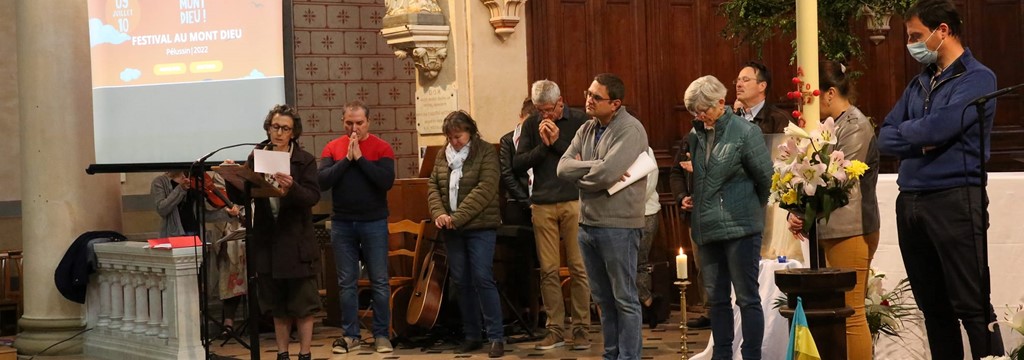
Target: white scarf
[455,161]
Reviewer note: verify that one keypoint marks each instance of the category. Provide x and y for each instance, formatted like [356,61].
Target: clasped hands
[548,132]
[444,222]
[354,153]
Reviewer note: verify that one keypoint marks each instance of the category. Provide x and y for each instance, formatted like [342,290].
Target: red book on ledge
[174,242]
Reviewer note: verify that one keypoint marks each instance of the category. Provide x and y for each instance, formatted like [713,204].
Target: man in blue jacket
[939,209]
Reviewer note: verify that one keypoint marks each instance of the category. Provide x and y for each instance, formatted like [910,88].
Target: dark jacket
[285,247]
[680,180]
[532,153]
[515,185]
[771,119]
[72,274]
[478,188]
[730,190]
[929,117]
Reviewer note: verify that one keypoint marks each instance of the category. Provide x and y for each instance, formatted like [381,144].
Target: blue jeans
[349,239]
[610,257]
[735,263]
[470,259]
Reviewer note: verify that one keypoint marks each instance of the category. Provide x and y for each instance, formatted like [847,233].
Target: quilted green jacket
[478,189]
[731,187]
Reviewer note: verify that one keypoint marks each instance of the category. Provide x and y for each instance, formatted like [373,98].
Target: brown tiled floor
[659,343]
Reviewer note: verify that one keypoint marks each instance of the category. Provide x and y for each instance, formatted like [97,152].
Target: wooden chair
[403,262]
[10,291]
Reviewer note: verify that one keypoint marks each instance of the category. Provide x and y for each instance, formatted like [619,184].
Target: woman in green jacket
[463,197]
[732,172]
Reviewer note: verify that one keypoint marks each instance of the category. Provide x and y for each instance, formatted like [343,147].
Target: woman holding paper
[463,196]
[850,237]
[732,172]
[285,252]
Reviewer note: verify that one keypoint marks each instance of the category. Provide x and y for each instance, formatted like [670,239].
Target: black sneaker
[497,349]
[699,323]
[282,355]
[306,356]
[469,346]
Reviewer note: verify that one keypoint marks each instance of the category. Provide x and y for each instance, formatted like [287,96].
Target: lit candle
[681,265]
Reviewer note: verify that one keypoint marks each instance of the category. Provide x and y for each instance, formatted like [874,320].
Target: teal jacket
[731,188]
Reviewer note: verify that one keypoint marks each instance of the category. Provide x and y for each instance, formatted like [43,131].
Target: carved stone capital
[402,7]
[504,15]
[427,44]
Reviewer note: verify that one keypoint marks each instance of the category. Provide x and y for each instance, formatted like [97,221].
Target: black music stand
[252,185]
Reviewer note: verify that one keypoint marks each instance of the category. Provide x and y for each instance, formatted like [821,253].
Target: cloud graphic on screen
[103,34]
[255,74]
[130,74]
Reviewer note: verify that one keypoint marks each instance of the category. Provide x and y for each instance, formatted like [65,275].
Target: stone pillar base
[38,334]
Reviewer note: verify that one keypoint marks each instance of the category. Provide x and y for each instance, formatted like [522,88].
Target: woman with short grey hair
[704,93]
[732,172]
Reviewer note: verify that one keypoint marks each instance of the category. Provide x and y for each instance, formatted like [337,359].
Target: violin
[213,194]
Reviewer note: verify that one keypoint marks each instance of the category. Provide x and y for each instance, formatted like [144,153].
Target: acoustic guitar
[425,303]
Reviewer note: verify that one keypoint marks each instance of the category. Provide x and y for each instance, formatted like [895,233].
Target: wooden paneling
[659,46]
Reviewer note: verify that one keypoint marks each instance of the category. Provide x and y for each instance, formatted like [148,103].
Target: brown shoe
[580,341]
[553,340]
[497,349]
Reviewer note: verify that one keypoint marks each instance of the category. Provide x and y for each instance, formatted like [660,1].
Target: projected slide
[145,42]
[174,79]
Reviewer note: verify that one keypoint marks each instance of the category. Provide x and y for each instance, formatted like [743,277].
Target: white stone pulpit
[144,303]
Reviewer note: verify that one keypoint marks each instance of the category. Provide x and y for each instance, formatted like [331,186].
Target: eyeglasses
[589,95]
[743,79]
[554,107]
[280,129]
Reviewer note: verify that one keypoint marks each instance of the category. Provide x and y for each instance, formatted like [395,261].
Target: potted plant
[755,21]
[878,14]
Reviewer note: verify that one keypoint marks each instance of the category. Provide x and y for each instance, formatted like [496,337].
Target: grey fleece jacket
[602,165]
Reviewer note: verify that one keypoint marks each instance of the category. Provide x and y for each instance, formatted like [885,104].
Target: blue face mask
[920,52]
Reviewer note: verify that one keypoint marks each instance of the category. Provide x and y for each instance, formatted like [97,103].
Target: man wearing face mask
[939,209]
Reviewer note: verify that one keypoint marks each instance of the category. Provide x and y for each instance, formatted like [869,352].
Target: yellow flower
[786,179]
[789,198]
[856,169]
[775,181]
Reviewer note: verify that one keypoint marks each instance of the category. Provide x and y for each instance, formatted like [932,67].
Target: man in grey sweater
[610,225]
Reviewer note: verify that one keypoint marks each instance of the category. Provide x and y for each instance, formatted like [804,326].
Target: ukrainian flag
[801,344]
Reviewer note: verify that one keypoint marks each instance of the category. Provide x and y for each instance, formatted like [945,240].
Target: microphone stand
[983,266]
[197,172]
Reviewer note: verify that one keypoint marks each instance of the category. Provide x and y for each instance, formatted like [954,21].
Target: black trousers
[940,235]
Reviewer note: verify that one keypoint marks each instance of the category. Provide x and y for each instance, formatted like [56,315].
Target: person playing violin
[176,205]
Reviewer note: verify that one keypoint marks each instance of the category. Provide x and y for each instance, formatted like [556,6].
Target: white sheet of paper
[643,166]
[272,162]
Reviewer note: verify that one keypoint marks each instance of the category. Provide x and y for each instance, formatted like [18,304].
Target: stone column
[59,200]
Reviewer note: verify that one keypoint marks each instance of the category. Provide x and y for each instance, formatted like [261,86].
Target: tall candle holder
[683,329]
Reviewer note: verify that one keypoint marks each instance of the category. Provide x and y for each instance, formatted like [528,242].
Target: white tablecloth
[776,327]
[1006,249]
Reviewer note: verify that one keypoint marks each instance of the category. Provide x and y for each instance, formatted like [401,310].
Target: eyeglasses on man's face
[280,129]
[592,96]
[743,80]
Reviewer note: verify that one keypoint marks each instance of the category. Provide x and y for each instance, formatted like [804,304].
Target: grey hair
[703,93]
[544,92]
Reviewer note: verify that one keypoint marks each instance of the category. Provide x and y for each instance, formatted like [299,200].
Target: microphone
[207,156]
[985,98]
